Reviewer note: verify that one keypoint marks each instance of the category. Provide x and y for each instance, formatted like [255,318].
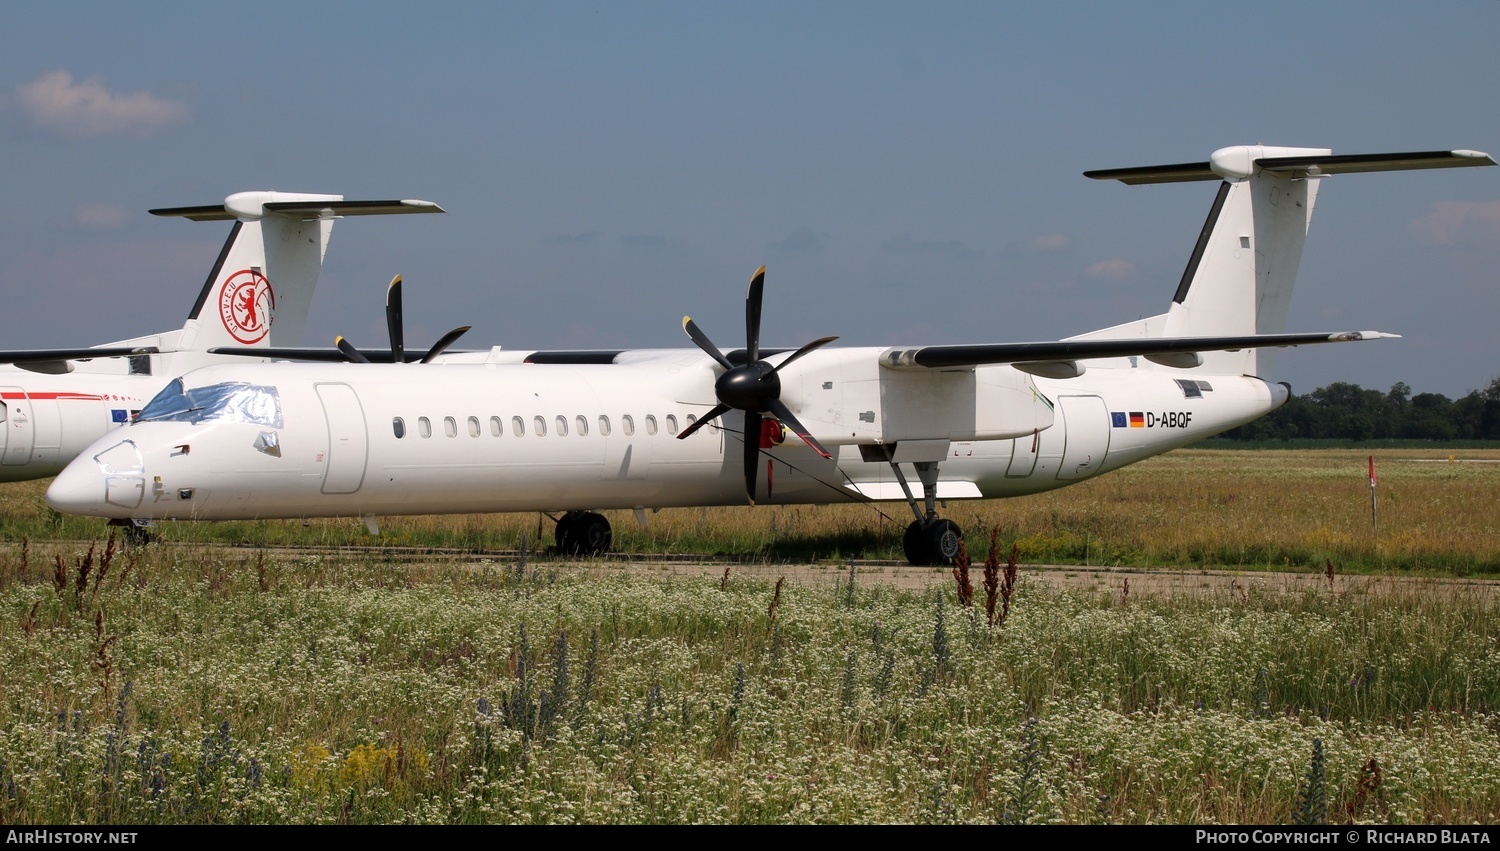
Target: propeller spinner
[755,387]
[394,326]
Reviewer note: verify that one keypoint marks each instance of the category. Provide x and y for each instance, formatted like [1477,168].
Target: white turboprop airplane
[55,402]
[583,431]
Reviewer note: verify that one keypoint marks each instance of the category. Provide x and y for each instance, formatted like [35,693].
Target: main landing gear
[929,540]
[583,533]
[932,541]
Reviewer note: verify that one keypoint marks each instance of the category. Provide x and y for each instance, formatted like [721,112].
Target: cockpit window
[233,401]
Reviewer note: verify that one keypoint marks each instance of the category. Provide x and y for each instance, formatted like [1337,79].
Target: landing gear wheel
[583,533]
[136,535]
[934,543]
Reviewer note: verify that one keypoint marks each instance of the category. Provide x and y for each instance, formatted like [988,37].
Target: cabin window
[691,419]
[583,425]
[671,423]
[651,424]
[518,426]
[450,426]
[424,427]
[473,426]
[603,424]
[398,426]
[497,428]
[627,425]
[562,426]
[539,422]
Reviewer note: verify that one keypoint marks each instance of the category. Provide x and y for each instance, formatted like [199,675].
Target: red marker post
[1374,525]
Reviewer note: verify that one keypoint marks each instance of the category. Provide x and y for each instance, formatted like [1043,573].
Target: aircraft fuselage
[457,438]
[45,423]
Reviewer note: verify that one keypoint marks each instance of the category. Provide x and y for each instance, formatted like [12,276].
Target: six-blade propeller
[394,326]
[754,387]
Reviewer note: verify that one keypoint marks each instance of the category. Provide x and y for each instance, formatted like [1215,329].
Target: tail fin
[260,289]
[1240,276]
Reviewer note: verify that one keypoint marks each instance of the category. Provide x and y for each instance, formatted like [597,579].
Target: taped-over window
[232,401]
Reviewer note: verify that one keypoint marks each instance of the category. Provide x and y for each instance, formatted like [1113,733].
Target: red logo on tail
[247,306]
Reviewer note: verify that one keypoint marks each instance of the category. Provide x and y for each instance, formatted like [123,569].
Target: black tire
[943,540]
[583,533]
[593,534]
[566,534]
[933,544]
[915,545]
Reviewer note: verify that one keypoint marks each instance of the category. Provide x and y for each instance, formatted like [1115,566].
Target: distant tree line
[1343,411]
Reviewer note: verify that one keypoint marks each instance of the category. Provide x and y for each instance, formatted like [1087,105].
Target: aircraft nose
[103,484]
[78,489]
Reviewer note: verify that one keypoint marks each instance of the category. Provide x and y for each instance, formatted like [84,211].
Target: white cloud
[803,241]
[57,103]
[1049,242]
[1447,220]
[99,216]
[905,244]
[586,238]
[1112,270]
[651,241]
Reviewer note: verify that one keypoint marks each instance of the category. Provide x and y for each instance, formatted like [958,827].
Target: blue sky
[909,173]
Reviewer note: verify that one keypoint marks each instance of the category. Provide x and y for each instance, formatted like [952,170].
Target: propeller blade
[393,320]
[752,452]
[349,351]
[717,411]
[752,313]
[441,345]
[697,336]
[822,341]
[784,414]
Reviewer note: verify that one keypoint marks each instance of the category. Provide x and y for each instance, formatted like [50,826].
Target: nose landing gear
[137,532]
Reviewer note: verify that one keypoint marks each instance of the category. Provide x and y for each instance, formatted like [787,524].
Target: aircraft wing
[1039,358]
[320,355]
[1060,359]
[327,355]
[33,356]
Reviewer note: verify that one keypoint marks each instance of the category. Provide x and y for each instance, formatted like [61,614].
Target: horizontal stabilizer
[308,205]
[940,357]
[1244,160]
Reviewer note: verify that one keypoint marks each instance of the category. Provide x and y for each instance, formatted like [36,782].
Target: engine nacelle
[844,397]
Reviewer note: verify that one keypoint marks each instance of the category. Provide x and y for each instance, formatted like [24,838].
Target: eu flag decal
[119,415]
[1117,419]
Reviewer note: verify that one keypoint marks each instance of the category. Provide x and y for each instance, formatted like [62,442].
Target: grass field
[1260,509]
[194,684]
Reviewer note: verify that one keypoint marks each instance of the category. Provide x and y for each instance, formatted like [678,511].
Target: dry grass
[1291,509]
